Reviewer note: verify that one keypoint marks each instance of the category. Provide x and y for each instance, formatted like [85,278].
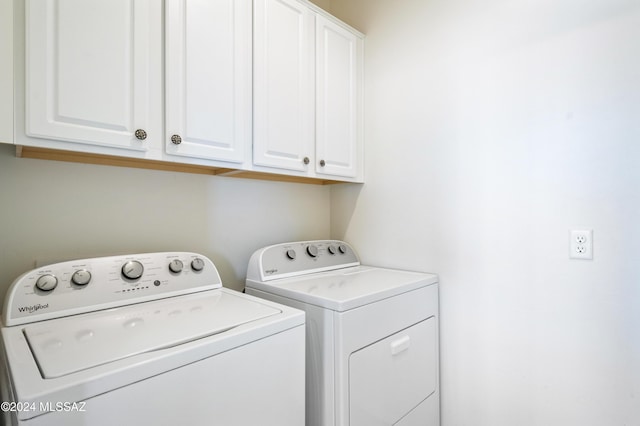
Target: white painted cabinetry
[307,91]
[250,88]
[90,74]
[94,76]
[283,84]
[208,79]
[338,100]
[6,71]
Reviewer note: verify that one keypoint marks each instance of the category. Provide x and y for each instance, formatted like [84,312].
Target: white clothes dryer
[147,339]
[372,333]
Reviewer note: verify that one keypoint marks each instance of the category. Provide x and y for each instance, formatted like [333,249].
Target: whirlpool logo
[33,308]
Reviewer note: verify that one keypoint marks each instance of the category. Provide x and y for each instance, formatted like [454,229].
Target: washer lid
[347,288]
[68,345]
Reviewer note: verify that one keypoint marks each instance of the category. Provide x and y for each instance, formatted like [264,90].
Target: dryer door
[391,377]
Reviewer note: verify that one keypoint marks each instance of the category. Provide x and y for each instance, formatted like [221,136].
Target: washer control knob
[81,277]
[291,254]
[342,248]
[197,264]
[312,251]
[176,266]
[132,270]
[332,250]
[47,282]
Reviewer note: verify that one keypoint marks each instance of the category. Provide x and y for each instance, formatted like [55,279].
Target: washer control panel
[87,285]
[300,258]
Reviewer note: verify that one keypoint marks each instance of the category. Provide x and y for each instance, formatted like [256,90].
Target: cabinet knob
[176,139]
[322,163]
[141,134]
[305,160]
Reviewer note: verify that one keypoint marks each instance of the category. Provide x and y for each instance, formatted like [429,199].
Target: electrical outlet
[581,244]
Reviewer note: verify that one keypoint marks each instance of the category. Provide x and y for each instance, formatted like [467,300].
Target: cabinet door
[338,91]
[283,84]
[89,70]
[208,78]
[6,72]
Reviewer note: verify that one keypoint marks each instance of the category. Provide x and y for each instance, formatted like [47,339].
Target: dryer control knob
[312,251]
[197,264]
[332,250]
[176,266]
[342,248]
[47,282]
[132,270]
[291,254]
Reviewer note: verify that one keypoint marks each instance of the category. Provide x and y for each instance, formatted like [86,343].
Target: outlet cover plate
[581,244]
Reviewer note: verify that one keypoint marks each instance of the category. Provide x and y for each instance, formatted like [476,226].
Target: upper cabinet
[250,88]
[283,84]
[338,100]
[90,71]
[94,76]
[208,79]
[6,72]
[307,91]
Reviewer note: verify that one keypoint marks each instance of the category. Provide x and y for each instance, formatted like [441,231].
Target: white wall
[492,128]
[53,211]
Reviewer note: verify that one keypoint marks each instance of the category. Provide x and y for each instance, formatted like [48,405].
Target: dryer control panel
[86,285]
[300,258]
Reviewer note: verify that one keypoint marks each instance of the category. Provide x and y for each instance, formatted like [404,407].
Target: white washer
[372,333]
[147,339]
